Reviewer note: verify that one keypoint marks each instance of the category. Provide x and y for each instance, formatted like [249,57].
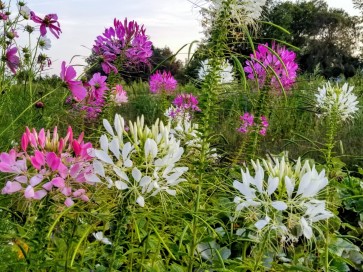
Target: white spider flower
[100,237]
[339,99]
[146,165]
[285,200]
[44,43]
[226,74]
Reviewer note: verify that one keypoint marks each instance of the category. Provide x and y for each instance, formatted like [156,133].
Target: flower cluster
[94,101]
[162,83]
[342,100]
[264,61]
[50,165]
[285,202]
[127,40]
[145,164]
[225,75]
[184,106]
[249,125]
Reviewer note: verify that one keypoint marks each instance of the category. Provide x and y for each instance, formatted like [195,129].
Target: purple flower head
[186,102]
[11,59]
[247,120]
[260,66]
[162,82]
[75,86]
[3,16]
[50,21]
[264,124]
[126,40]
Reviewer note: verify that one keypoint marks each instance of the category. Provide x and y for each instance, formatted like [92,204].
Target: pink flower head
[47,164]
[75,86]
[50,21]
[162,82]
[247,122]
[264,124]
[187,102]
[119,95]
[98,85]
[11,59]
[259,67]
[3,16]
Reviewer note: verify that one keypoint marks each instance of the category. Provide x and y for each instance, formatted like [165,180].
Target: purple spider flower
[75,86]
[11,59]
[247,122]
[260,66]
[162,82]
[126,40]
[50,21]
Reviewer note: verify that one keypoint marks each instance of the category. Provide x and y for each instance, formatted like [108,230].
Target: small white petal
[151,148]
[103,156]
[307,230]
[121,185]
[141,201]
[171,192]
[108,127]
[90,177]
[115,147]
[98,168]
[262,223]
[279,205]
[104,143]
[136,174]
[272,185]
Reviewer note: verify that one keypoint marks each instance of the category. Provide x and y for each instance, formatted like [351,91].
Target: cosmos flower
[75,86]
[162,83]
[261,64]
[44,43]
[50,21]
[334,98]
[11,59]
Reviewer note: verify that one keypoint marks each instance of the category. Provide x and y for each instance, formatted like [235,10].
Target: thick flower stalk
[49,165]
[337,105]
[141,162]
[124,42]
[281,199]
[272,69]
[162,83]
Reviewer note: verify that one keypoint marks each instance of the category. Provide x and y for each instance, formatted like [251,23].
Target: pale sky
[171,23]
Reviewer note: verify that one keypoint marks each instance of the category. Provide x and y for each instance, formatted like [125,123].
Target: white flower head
[340,99]
[282,197]
[226,74]
[100,237]
[44,43]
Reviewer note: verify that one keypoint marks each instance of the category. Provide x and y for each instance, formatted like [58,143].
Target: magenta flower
[259,67]
[3,16]
[249,125]
[162,83]
[186,102]
[50,21]
[119,95]
[11,59]
[98,85]
[75,86]
[49,164]
[126,41]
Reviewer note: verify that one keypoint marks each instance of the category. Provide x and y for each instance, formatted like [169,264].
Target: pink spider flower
[11,59]
[186,102]
[119,95]
[260,66]
[264,124]
[162,83]
[50,21]
[75,86]
[247,123]
[49,164]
